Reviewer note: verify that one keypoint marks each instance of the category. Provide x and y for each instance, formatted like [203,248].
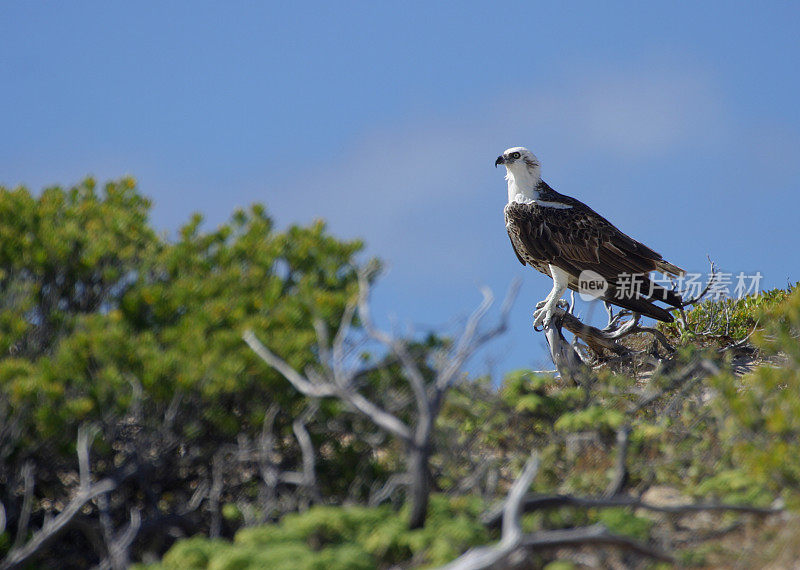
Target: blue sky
[679,123]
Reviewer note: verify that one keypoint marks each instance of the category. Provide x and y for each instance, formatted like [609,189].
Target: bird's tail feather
[660,293]
[639,305]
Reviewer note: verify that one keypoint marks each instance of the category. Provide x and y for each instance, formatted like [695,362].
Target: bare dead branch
[620,468]
[266,445]
[659,336]
[567,359]
[567,356]
[692,372]
[596,534]
[488,556]
[704,292]
[335,378]
[107,526]
[27,504]
[86,492]
[742,342]
[608,338]
[117,543]
[597,339]
[309,478]
[365,312]
[391,485]
[86,435]
[473,480]
[215,493]
[197,497]
[120,545]
[397,347]
[513,540]
[344,329]
[379,416]
[300,383]
[171,412]
[470,340]
[512,529]
[323,389]
[322,342]
[535,502]
[609,311]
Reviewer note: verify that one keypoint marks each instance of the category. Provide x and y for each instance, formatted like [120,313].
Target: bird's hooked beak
[500,160]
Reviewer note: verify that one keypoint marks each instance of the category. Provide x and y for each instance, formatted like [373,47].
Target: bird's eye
[515,155]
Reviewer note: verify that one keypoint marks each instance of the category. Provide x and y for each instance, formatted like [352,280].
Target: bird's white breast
[521,187]
[522,190]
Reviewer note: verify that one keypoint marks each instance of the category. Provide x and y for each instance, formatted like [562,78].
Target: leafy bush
[759,414]
[105,322]
[723,321]
[333,538]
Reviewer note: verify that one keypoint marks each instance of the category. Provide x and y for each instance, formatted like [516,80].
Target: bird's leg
[545,309]
[610,311]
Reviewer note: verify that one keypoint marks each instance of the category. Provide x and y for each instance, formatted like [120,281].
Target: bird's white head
[523,172]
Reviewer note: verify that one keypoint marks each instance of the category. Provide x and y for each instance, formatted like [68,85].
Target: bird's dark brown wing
[514,247]
[530,236]
[577,239]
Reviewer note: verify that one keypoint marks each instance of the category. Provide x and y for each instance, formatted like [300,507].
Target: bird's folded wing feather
[578,238]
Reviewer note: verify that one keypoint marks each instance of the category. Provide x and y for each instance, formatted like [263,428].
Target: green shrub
[333,538]
[760,413]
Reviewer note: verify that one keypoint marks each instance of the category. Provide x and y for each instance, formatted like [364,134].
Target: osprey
[564,238]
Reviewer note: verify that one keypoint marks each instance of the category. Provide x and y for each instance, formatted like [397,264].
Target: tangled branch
[574,362]
[514,540]
[87,491]
[336,377]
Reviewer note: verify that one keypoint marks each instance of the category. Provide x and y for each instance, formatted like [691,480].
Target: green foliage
[65,253]
[99,309]
[593,417]
[685,440]
[622,521]
[192,553]
[560,565]
[106,322]
[332,538]
[723,321]
[533,395]
[736,486]
[204,554]
[759,414]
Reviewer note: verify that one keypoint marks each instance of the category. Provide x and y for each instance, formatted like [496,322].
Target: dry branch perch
[566,356]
